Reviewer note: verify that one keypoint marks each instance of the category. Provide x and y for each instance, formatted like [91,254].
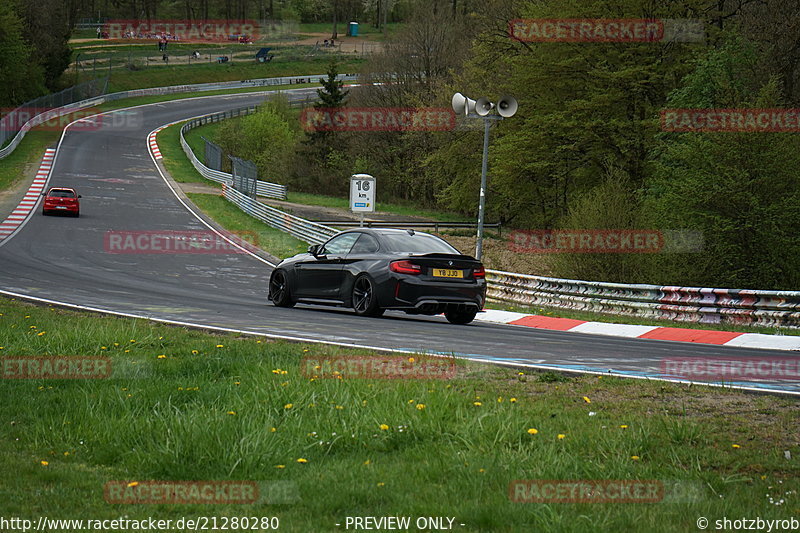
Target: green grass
[175,160]
[29,152]
[233,219]
[384,207]
[625,319]
[204,411]
[194,137]
[125,80]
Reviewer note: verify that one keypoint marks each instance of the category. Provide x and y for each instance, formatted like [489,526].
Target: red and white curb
[151,140]
[26,205]
[702,336]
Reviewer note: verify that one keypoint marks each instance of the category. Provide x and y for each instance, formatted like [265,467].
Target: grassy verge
[175,160]
[123,80]
[28,153]
[383,207]
[186,405]
[233,219]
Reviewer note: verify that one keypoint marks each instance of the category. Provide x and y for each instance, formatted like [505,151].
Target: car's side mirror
[314,249]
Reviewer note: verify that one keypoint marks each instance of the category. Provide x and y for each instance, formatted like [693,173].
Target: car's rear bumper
[415,294]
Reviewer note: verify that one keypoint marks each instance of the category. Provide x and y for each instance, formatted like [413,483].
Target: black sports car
[372,270]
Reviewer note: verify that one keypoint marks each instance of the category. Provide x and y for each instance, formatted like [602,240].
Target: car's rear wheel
[464,316]
[365,301]
[279,292]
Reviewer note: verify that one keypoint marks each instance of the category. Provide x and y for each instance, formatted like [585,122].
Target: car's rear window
[419,243]
[62,194]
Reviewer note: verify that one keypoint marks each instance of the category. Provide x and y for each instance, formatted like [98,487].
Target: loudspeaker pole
[482,108]
[482,200]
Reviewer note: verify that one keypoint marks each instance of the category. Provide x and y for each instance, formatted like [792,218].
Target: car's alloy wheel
[365,301]
[279,290]
[461,317]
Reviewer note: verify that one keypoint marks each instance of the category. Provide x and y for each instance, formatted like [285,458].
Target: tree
[738,189]
[331,94]
[21,78]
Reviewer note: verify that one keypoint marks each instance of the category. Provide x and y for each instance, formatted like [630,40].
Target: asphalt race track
[64,259]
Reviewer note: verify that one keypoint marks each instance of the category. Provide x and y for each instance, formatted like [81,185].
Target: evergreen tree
[331,94]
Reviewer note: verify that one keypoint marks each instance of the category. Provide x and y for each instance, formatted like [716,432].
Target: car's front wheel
[279,292]
[464,316]
[365,301]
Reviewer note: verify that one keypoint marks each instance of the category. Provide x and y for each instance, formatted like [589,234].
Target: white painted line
[499,317]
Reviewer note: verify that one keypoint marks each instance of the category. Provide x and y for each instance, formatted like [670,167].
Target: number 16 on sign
[362,194]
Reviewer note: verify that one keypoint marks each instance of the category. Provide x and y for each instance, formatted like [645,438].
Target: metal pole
[361,219]
[482,200]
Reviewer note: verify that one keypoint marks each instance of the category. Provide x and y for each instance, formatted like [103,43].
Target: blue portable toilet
[352,29]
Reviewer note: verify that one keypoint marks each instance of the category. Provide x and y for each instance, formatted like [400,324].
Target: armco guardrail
[301,228]
[686,304]
[263,188]
[174,89]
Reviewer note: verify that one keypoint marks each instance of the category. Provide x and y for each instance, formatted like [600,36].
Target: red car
[61,200]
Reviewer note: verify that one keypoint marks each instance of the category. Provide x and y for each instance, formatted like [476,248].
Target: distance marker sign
[362,193]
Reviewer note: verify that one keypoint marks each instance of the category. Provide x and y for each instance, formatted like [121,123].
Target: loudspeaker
[462,105]
[483,106]
[507,106]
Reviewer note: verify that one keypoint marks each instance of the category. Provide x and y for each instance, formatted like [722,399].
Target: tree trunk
[334,33]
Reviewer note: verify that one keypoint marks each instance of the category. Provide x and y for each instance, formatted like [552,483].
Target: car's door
[320,276]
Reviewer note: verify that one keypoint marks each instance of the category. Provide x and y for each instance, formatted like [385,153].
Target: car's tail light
[479,273]
[405,267]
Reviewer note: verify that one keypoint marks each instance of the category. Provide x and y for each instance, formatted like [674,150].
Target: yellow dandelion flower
[586,399]
[273,430]
[133,483]
[512,400]
[133,340]
[220,345]
[533,431]
[129,395]
[410,359]
[477,404]
[237,383]
[33,327]
[735,446]
[635,457]
[624,426]
[561,436]
[288,406]
[103,348]
[44,463]
[420,406]
[162,356]
[126,351]
[367,462]
[116,344]
[481,470]
[410,401]
[258,342]
[381,484]
[301,460]
[40,333]
[195,352]
[339,407]
[500,399]
[280,466]
[384,427]
[305,349]
[231,412]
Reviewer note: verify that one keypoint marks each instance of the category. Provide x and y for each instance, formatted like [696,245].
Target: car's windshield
[418,243]
[58,193]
